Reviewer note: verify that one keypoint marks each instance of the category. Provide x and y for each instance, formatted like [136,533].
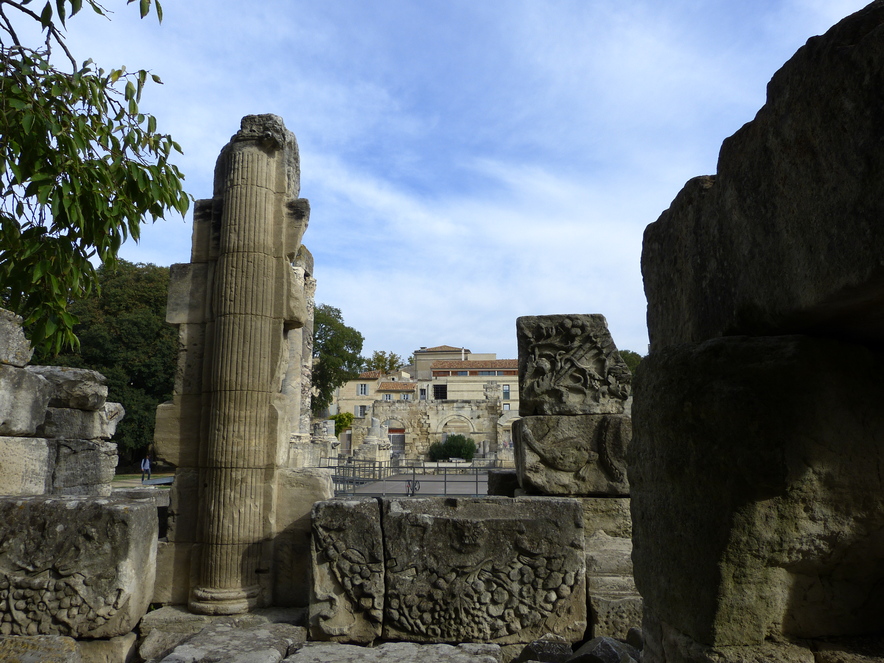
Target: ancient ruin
[756,494]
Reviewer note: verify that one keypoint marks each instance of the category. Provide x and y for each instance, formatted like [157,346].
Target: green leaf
[46,15]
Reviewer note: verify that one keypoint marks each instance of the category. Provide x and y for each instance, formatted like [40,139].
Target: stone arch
[396,432]
[457,423]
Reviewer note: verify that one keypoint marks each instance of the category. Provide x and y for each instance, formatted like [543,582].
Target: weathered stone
[615,604]
[113,650]
[39,649]
[755,474]
[869,649]
[83,467]
[70,423]
[26,465]
[347,599]
[576,455]
[606,650]
[786,237]
[77,388]
[225,643]
[183,497]
[23,400]
[613,614]
[176,433]
[186,302]
[568,364]
[396,652]
[15,349]
[297,491]
[173,572]
[548,649]
[484,569]
[608,555]
[82,567]
[610,515]
[157,495]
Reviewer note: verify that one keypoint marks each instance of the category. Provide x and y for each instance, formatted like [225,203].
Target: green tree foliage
[454,446]
[385,362]
[81,167]
[336,358]
[632,359]
[123,335]
[343,421]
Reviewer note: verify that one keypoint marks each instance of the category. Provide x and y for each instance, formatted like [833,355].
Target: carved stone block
[23,400]
[347,600]
[83,467]
[568,364]
[489,569]
[15,349]
[77,388]
[577,455]
[26,465]
[69,423]
[81,567]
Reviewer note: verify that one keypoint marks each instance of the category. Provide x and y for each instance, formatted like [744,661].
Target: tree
[80,168]
[336,358]
[123,335]
[385,362]
[343,421]
[632,359]
[454,446]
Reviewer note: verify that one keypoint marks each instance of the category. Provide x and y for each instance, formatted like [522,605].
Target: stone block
[610,515]
[786,237]
[347,596]
[396,652]
[267,643]
[203,231]
[754,469]
[26,465]
[68,423]
[568,364]
[173,580]
[491,569]
[83,467]
[608,555]
[24,397]
[297,491]
[114,650]
[39,649]
[157,495]
[77,388]
[176,435]
[81,567]
[183,506]
[189,368]
[576,455]
[15,349]
[188,293]
[613,614]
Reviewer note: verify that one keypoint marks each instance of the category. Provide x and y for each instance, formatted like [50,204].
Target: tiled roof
[396,386]
[370,375]
[477,364]
[443,348]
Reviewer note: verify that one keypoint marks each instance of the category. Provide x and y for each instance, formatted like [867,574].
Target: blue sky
[467,162]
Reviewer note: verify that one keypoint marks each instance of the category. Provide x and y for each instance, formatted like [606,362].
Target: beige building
[453,391]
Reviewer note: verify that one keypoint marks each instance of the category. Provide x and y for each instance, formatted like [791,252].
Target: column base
[209,601]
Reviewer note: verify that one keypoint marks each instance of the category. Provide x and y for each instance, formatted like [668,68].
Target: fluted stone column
[255,299]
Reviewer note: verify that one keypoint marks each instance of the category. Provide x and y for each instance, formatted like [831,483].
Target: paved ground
[430,484]
[131,480]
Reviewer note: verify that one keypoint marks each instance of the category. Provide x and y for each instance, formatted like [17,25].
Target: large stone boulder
[787,236]
[756,482]
[489,569]
[79,567]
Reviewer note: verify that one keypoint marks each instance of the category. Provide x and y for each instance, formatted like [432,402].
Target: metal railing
[409,478]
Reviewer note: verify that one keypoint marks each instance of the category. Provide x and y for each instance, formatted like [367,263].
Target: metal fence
[409,478]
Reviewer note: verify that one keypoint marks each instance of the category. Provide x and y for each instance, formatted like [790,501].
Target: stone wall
[757,419]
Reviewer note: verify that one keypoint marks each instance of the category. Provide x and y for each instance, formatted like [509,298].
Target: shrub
[455,446]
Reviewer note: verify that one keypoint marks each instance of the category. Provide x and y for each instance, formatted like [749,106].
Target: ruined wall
[758,428]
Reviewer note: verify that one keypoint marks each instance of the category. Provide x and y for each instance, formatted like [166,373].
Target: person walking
[145,467]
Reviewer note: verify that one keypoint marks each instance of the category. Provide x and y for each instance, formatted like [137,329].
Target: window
[423,394]
[440,392]
[506,392]
[362,390]
[406,397]
[360,411]
[506,406]
[463,373]
[487,372]
[388,397]
[397,440]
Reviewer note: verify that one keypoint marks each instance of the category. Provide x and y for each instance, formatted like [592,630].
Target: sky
[467,161]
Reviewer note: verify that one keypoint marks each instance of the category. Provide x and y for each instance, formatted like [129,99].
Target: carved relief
[568,364]
[488,569]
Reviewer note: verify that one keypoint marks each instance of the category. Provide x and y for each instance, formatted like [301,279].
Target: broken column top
[568,364]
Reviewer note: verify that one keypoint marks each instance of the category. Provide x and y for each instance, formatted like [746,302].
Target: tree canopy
[81,168]
[336,349]
[123,335]
[632,359]
[385,362]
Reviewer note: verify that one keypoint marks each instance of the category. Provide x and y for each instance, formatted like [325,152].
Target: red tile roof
[396,386]
[477,364]
[370,375]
